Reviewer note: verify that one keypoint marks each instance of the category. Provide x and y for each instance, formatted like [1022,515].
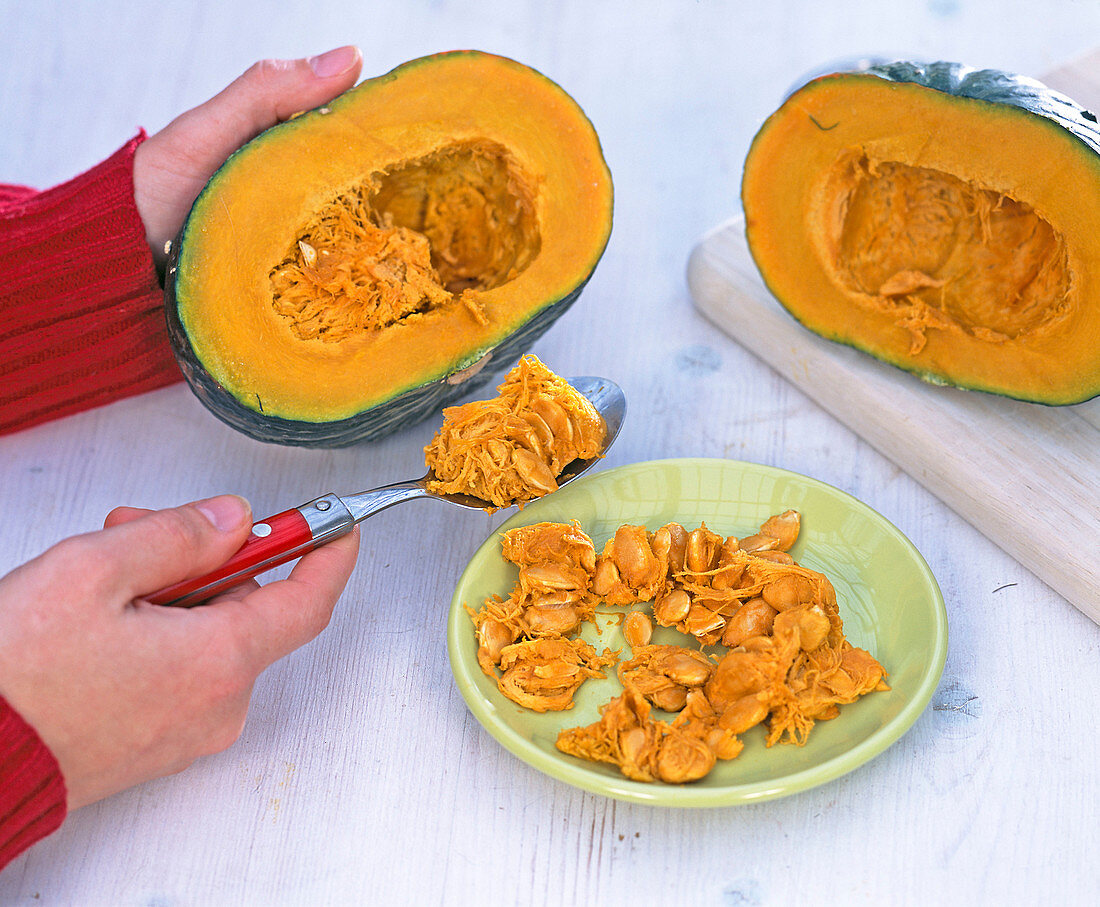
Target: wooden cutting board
[1026,476]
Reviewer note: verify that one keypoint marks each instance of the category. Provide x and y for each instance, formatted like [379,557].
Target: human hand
[172,166]
[122,691]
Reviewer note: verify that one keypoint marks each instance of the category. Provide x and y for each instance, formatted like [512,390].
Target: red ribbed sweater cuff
[32,792]
[81,310]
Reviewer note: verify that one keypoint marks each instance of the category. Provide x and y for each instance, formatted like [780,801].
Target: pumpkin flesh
[947,235]
[391,239]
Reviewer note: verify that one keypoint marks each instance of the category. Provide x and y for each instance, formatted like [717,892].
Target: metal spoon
[290,534]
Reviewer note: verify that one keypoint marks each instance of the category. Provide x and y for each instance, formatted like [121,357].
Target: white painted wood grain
[361,778]
[1026,476]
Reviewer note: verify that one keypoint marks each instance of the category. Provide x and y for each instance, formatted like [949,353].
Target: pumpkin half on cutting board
[941,218]
[351,271]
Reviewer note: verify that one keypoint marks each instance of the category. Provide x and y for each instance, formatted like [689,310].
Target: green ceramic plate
[889,601]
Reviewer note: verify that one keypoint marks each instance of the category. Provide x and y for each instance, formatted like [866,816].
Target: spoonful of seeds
[538,434]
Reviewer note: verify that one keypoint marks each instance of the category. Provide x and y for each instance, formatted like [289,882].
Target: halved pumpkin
[943,219]
[352,270]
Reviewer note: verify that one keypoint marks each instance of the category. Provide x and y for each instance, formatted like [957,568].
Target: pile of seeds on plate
[784,658]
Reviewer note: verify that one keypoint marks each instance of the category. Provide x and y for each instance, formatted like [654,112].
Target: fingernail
[334,62]
[226,511]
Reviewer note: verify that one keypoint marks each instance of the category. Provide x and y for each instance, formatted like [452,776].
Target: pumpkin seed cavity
[422,235]
[936,252]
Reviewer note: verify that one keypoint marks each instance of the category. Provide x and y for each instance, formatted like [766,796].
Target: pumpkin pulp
[419,236]
[931,251]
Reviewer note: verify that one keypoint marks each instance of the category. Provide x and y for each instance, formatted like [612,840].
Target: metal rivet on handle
[324,505]
[262,530]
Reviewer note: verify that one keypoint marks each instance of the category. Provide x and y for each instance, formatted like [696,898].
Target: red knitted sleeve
[81,310]
[32,792]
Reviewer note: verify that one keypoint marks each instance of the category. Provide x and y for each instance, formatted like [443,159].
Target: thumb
[271,91]
[155,549]
[172,166]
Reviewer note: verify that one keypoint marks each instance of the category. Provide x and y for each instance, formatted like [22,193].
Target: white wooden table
[361,778]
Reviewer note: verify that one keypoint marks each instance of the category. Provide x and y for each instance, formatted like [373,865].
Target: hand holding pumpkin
[172,166]
[122,691]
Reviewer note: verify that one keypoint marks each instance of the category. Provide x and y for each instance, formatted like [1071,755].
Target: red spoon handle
[273,541]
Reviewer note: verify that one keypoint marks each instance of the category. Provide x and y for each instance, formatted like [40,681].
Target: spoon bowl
[610,402]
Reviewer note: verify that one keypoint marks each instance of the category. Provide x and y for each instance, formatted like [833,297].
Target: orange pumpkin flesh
[951,236]
[343,269]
